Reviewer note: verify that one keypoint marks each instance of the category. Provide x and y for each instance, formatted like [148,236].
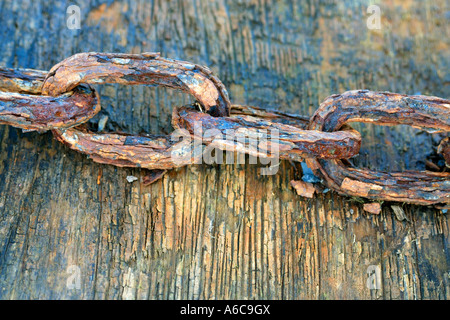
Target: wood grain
[224,231]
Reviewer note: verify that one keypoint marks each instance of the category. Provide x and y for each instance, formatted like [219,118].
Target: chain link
[384,108]
[22,104]
[62,100]
[146,68]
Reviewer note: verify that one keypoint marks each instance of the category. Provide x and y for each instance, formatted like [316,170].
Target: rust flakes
[304,189]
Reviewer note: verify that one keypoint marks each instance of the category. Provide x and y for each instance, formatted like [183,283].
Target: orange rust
[23,106]
[304,189]
[373,208]
[324,142]
[133,69]
[384,108]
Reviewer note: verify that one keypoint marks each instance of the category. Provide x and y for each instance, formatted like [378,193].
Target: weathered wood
[223,231]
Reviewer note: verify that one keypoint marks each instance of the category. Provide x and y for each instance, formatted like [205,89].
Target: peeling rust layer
[444,149]
[163,153]
[383,108]
[145,68]
[373,208]
[431,114]
[22,106]
[304,189]
[153,151]
[150,152]
[259,136]
[21,80]
[275,116]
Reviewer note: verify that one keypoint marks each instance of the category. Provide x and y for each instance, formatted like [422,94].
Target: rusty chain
[22,104]
[62,100]
[382,108]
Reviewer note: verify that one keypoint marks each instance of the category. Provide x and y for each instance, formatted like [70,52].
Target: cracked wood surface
[222,231]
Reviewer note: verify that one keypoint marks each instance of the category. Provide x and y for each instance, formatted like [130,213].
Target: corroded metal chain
[62,99]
